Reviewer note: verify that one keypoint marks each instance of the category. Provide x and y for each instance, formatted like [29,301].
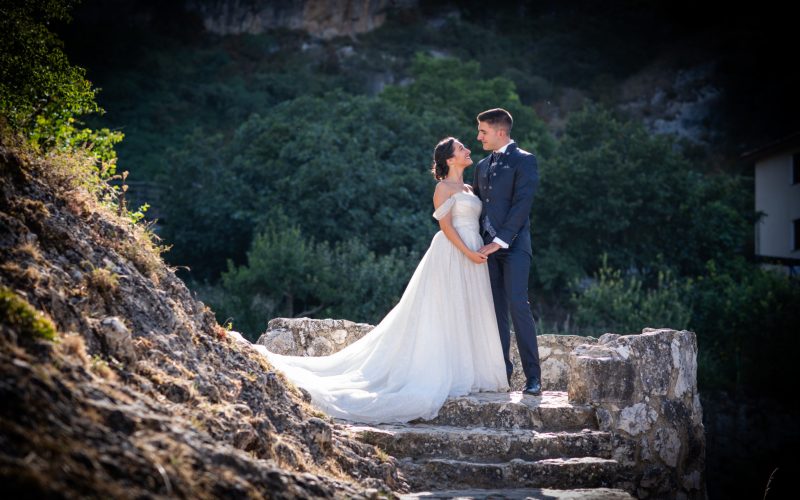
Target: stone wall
[554,352]
[644,390]
[320,337]
[311,337]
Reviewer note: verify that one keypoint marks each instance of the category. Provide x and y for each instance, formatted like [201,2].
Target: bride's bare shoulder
[442,192]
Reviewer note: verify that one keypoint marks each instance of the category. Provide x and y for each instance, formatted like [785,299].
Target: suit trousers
[508,273]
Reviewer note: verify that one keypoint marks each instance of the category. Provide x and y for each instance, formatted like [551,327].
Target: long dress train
[440,339]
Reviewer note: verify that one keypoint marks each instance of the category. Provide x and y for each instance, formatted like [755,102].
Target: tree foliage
[289,274]
[613,188]
[447,94]
[339,166]
[42,95]
[745,318]
[619,303]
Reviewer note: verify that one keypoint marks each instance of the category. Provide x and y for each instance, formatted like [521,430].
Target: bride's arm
[440,195]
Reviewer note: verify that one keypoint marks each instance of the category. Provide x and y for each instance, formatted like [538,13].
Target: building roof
[788,142]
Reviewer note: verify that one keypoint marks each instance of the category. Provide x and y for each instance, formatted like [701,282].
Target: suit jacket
[507,195]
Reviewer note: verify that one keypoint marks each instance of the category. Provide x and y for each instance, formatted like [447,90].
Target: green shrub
[622,304]
[614,188]
[746,321]
[288,274]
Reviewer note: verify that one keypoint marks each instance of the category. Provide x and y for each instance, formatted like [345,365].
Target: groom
[505,181]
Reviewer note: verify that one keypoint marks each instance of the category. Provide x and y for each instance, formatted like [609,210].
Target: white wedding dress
[440,339]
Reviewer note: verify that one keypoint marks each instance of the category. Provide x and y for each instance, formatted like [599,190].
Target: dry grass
[382,455]
[100,367]
[80,202]
[287,456]
[157,377]
[66,171]
[73,345]
[32,274]
[102,280]
[143,343]
[145,252]
[75,179]
[11,268]
[220,333]
[28,250]
[319,414]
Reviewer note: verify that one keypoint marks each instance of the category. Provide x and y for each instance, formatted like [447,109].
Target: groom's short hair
[498,118]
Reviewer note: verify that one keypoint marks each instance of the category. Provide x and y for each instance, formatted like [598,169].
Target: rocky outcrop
[319,18]
[116,383]
[684,102]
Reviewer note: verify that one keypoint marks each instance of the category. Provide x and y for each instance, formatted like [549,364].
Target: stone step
[550,412]
[564,473]
[522,493]
[483,444]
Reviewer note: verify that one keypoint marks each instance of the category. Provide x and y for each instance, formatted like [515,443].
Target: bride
[440,339]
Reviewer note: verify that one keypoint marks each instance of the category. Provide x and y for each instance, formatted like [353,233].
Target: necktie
[493,161]
[487,225]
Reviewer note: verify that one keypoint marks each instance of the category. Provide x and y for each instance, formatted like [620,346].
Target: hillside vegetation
[116,382]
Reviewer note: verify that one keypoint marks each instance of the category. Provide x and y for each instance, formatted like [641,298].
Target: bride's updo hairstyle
[441,153]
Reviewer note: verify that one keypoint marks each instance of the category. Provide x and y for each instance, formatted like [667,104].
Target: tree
[339,167]
[288,274]
[619,303]
[447,94]
[41,93]
[745,317]
[613,188]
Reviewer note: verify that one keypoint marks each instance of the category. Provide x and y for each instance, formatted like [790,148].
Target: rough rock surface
[512,441]
[311,337]
[524,494]
[320,18]
[140,394]
[554,351]
[644,389]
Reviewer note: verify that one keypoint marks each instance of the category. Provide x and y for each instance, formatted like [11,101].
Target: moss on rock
[18,314]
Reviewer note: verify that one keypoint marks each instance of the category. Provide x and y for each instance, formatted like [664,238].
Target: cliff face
[115,382]
[320,18]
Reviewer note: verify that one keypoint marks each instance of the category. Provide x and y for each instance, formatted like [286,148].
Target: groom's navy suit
[506,190]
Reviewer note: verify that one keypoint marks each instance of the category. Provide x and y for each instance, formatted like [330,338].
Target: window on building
[796,168]
[796,234]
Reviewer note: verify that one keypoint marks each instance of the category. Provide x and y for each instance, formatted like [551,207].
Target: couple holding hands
[449,333]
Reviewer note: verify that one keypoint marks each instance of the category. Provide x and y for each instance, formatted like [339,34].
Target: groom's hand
[489,249]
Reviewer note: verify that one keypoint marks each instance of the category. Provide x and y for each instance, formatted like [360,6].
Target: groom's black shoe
[533,386]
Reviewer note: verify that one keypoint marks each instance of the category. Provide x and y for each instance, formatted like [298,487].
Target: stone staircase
[503,445]
[620,416]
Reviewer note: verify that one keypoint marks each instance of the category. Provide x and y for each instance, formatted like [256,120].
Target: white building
[777,186]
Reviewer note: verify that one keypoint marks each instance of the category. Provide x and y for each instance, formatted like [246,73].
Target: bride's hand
[477,257]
